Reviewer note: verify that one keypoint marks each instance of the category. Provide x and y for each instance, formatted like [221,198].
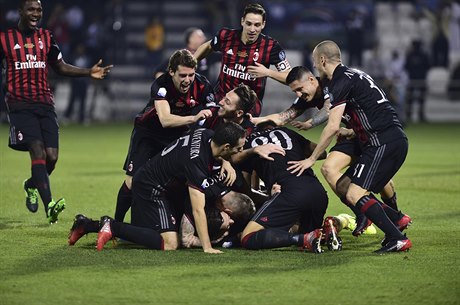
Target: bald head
[329,49]
[326,57]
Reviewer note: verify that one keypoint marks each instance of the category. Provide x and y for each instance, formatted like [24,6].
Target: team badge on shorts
[20,137]
[130,167]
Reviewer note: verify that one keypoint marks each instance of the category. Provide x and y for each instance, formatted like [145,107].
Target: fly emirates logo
[238,72]
[31,63]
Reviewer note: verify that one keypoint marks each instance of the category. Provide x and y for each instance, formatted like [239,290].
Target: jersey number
[167,149]
[286,145]
[374,86]
[358,170]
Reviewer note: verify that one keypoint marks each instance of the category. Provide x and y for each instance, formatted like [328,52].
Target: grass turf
[37,266]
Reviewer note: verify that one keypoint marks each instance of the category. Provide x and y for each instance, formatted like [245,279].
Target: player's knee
[37,150]
[170,241]
[325,170]
[328,171]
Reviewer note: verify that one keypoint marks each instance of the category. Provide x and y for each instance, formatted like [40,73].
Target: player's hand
[276,188]
[265,150]
[345,134]
[203,114]
[258,70]
[300,166]
[302,125]
[99,72]
[212,251]
[227,173]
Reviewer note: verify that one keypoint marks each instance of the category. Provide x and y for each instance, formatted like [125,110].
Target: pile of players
[196,152]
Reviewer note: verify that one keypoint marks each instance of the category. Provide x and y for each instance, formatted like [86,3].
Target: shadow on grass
[14,224]
[126,257]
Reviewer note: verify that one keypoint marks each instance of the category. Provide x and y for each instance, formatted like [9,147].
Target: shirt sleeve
[54,54]
[338,91]
[278,58]
[216,42]
[158,89]
[196,175]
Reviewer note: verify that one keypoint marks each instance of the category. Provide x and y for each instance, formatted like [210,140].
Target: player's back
[293,144]
[185,158]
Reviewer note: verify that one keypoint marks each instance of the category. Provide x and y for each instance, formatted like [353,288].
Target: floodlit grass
[37,266]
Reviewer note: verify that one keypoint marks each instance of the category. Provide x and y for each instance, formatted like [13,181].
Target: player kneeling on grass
[301,197]
[190,158]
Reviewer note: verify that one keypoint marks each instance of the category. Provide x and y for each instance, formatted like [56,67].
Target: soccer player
[166,117]
[233,107]
[233,208]
[247,55]
[26,52]
[354,95]
[194,37]
[301,197]
[308,89]
[189,159]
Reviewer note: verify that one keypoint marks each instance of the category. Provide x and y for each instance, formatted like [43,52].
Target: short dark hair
[215,221]
[183,58]
[228,132]
[188,32]
[254,8]
[296,74]
[266,125]
[23,2]
[247,97]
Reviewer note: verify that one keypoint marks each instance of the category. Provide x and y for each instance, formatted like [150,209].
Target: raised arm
[203,51]
[96,71]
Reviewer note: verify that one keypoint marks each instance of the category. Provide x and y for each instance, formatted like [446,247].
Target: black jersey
[188,159]
[25,57]
[367,110]
[163,88]
[237,56]
[275,171]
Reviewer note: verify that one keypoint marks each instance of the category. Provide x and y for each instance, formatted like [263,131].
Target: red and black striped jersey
[25,58]
[237,56]
[163,88]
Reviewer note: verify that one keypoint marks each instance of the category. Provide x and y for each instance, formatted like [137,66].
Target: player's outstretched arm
[96,71]
[203,51]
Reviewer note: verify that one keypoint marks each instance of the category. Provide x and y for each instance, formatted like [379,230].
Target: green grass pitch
[37,266]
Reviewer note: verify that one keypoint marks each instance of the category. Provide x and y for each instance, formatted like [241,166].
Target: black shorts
[350,147]
[142,147]
[28,125]
[377,165]
[151,208]
[301,199]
